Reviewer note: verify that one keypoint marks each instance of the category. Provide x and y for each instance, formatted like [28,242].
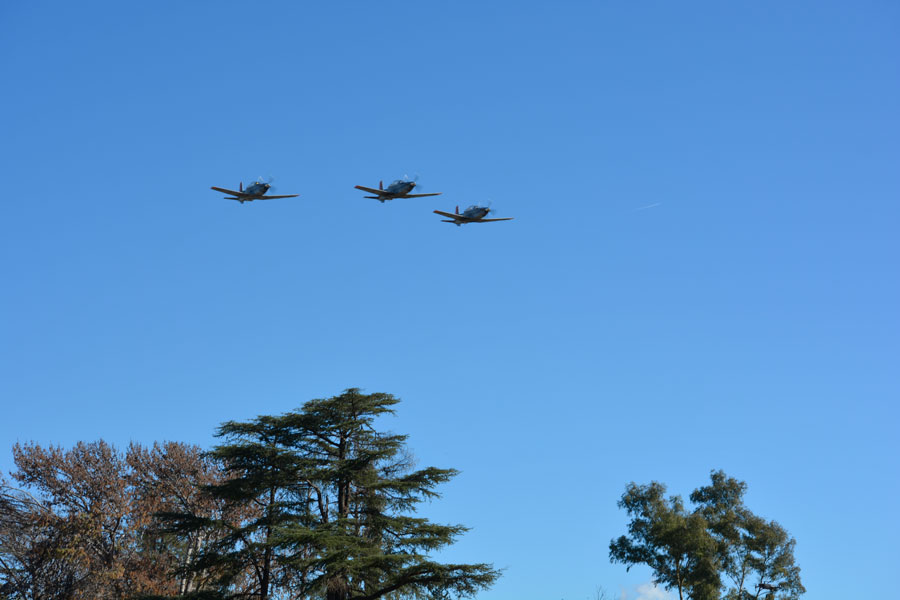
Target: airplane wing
[490,220]
[421,195]
[450,215]
[224,191]
[274,197]
[370,190]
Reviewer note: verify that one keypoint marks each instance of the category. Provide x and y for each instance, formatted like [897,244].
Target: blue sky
[701,272]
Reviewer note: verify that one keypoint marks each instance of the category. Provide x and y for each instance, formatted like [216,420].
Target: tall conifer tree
[359,539]
[334,501]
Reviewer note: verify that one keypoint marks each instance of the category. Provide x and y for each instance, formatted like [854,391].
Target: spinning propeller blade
[267,181]
[414,180]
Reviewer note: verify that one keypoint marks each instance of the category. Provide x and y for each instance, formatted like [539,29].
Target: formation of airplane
[400,188]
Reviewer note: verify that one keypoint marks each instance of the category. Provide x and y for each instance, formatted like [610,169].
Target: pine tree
[331,503]
[241,556]
[358,539]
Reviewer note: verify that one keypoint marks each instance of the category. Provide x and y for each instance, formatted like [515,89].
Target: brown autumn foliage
[81,522]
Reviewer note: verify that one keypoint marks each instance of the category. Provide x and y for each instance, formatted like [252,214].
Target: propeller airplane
[473,214]
[256,191]
[400,188]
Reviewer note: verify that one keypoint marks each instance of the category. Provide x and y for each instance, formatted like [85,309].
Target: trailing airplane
[256,191]
[400,188]
[473,214]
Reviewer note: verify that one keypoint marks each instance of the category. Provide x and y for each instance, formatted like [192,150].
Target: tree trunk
[267,554]
[338,589]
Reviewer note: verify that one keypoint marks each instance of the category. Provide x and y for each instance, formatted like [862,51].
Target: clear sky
[701,273]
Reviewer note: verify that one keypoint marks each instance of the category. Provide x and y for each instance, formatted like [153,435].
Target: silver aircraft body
[256,191]
[400,188]
[473,214]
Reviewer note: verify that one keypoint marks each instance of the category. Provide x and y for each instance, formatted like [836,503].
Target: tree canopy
[82,523]
[718,549]
[336,499]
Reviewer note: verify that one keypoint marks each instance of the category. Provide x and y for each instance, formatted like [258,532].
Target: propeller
[267,181]
[414,180]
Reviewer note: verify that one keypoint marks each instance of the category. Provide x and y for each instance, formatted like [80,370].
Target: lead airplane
[400,188]
[256,191]
[473,214]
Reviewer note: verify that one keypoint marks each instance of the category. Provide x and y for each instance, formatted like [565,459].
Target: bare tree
[81,523]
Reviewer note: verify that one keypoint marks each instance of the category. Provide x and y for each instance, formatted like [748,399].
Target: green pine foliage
[320,504]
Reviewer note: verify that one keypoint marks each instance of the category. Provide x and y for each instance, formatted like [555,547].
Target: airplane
[253,192]
[400,188]
[473,214]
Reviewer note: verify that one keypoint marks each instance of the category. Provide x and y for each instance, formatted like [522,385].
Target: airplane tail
[380,185]
[241,187]
[457,209]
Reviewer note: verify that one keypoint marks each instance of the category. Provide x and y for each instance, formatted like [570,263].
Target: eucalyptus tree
[756,555]
[718,549]
[673,542]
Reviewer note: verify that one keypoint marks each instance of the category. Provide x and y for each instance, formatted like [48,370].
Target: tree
[691,551]
[87,504]
[82,525]
[30,566]
[357,538]
[334,497]
[668,539]
[168,478]
[754,554]
[256,498]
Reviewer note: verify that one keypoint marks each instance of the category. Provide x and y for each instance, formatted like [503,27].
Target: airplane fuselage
[398,188]
[476,212]
[256,189]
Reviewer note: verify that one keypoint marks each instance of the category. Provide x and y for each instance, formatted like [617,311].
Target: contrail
[648,206]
